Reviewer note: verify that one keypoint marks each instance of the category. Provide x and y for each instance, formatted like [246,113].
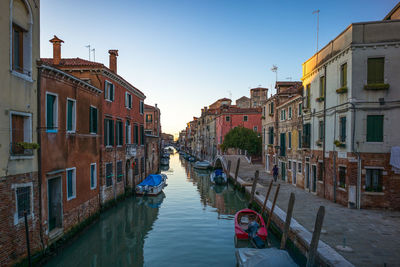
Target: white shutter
[105,89]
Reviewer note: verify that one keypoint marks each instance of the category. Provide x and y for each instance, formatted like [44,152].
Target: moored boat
[249,223]
[152,185]
[218,177]
[202,165]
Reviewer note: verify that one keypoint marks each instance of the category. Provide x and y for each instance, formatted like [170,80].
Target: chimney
[113,60]
[156,105]
[56,49]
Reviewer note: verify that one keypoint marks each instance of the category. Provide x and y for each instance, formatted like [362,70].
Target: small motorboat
[202,165]
[152,185]
[164,161]
[268,257]
[218,177]
[191,159]
[249,225]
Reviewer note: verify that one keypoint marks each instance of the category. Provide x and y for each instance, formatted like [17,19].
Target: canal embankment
[371,237]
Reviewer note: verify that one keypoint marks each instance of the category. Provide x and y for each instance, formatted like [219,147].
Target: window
[71,115]
[283,114]
[93,176]
[307,135]
[283,145]
[342,129]
[136,166]
[322,86]
[375,128]
[18,49]
[108,132]
[128,100]
[71,183]
[321,130]
[21,131]
[119,171]
[23,200]
[255,128]
[109,91]
[373,180]
[264,111]
[51,112]
[149,118]
[141,107]
[375,70]
[289,139]
[136,133]
[128,132]
[342,177]
[343,75]
[227,118]
[290,112]
[109,174]
[141,135]
[264,141]
[245,118]
[299,137]
[300,109]
[271,108]
[299,167]
[271,135]
[320,171]
[308,95]
[93,120]
[119,133]
[290,166]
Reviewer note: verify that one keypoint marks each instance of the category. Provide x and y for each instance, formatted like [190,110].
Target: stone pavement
[373,235]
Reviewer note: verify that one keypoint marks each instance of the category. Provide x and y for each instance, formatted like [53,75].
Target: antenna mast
[317,12]
[88,46]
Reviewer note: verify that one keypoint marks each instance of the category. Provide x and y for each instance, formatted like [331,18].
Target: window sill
[341,189]
[22,76]
[71,132]
[108,100]
[21,220]
[93,188]
[321,182]
[21,157]
[70,198]
[51,131]
[93,133]
[374,143]
[373,193]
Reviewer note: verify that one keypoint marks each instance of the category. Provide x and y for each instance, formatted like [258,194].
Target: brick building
[122,155]
[69,140]
[152,131]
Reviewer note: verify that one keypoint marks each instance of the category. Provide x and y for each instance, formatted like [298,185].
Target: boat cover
[218,172]
[152,180]
[251,257]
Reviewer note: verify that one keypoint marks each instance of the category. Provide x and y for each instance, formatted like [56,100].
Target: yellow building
[19,51]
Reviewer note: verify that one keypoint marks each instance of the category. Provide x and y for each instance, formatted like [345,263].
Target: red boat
[242,220]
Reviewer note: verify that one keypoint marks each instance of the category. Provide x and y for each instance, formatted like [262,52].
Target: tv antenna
[94,54]
[88,46]
[317,12]
[275,69]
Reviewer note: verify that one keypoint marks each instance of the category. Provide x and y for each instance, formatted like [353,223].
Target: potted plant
[337,143]
[376,86]
[320,99]
[318,142]
[263,117]
[26,145]
[342,90]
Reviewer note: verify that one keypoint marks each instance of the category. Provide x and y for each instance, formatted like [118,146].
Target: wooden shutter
[375,128]
[50,111]
[111,132]
[106,133]
[344,75]
[343,129]
[375,70]
[105,90]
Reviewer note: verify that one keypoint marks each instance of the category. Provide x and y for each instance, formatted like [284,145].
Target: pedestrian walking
[275,172]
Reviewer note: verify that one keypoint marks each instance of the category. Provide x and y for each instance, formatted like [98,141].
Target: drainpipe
[334,160]
[324,121]
[38,132]
[358,190]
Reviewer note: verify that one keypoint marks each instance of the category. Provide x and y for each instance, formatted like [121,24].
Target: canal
[190,224]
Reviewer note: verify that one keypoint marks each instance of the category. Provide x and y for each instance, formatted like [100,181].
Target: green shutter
[375,128]
[321,86]
[105,132]
[375,70]
[70,107]
[112,132]
[343,129]
[94,116]
[90,120]
[344,75]
[105,89]
[50,111]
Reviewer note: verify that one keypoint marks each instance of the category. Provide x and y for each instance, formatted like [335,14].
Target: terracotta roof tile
[72,62]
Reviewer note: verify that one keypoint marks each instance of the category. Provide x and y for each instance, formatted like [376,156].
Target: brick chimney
[113,60]
[56,49]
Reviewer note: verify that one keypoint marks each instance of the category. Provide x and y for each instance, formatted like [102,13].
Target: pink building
[230,117]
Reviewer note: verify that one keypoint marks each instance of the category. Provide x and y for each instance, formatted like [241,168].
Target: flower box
[376,86]
[337,143]
[318,142]
[263,117]
[342,90]
[320,99]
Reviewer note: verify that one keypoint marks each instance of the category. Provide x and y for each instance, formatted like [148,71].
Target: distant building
[152,130]
[258,96]
[243,102]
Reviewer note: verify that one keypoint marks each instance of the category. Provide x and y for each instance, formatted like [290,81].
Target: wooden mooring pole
[27,238]
[273,206]
[228,169]
[315,237]
[237,170]
[266,197]
[288,219]
[253,188]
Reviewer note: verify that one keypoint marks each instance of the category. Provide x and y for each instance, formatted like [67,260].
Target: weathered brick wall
[12,236]
[78,214]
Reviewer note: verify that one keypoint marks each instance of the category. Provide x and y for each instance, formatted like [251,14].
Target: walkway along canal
[190,224]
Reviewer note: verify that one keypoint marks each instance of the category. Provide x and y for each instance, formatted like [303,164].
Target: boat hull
[240,233]
[152,190]
[219,179]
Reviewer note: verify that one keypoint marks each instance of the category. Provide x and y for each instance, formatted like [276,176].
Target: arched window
[21,37]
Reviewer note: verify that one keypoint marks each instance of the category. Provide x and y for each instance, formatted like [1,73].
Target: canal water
[190,224]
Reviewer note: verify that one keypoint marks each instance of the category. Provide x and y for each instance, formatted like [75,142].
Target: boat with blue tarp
[152,185]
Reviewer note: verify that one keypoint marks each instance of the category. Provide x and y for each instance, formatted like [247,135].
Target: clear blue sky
[185,54]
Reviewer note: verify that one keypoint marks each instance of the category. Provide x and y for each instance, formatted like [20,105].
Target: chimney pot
[56,49]
[113,60]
